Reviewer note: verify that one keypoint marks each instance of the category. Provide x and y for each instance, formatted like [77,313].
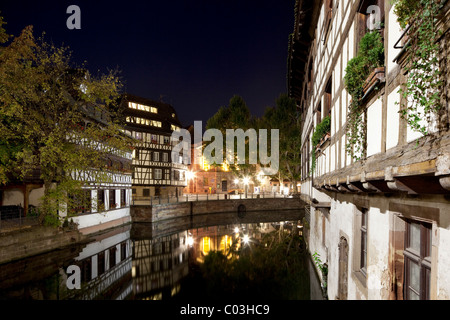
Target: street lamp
[246,181]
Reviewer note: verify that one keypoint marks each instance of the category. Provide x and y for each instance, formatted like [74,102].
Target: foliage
[421,92]
[285,118]
[234,116]
[370,56]
[320,131]
[44,102]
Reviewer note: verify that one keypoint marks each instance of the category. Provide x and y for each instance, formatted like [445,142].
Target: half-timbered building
[378,219]
[155,172]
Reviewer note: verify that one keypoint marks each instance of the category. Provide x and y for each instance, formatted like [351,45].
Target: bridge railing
[151,200]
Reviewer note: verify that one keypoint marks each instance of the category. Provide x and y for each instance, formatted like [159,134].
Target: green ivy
[421,92]
[320,131]
[369,57]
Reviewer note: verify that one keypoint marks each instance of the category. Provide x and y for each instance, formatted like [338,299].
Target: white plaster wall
[99,246]
[393,119]
[394,33]
[341,224]
[94,219]
[13,197]
[443,265]
[374,128]
[35,196]
[377,254]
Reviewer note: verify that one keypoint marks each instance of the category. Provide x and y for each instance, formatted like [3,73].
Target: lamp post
[246,180]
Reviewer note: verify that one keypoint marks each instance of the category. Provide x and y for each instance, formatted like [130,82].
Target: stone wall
[35,240]
[161,212]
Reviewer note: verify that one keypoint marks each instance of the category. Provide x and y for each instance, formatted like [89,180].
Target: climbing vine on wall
[421,92]
[370,56]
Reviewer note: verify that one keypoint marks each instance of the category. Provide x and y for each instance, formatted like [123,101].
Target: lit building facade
[380,222]
[155,172]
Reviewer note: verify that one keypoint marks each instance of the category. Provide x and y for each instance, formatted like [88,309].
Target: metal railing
[151,200]
[13,217]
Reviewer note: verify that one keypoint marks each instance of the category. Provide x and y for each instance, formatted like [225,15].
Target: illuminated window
[225,243]
[133,105]
[156,123]
[206,245]
[174,127]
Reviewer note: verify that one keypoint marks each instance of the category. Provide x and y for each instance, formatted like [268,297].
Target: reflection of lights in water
[190,240]
[246,239]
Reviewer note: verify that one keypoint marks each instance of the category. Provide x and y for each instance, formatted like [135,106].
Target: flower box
[376,74]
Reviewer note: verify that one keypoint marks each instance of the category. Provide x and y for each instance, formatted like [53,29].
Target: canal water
[217,256]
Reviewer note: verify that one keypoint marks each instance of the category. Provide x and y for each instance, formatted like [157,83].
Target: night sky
[193,54]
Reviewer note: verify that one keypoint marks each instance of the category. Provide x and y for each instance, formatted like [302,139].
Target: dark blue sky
[196,54]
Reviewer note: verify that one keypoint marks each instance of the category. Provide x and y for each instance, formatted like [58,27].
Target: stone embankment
[26,242]
[160,212]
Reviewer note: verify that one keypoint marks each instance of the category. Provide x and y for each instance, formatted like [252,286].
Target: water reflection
[143,261]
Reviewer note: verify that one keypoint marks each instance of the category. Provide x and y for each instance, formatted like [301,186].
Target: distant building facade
[380,223]
[155,172]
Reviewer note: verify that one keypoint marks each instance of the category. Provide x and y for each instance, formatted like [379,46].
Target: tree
[51,114]
[235,116]
[285,118]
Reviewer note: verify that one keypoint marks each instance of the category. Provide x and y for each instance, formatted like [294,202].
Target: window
[123,196]
[327,99]
[165,157]
[167,174]
[174,127]
[166,140]
[146,192]
[123,251]
[101,263]
[155,156]
[158,174]
[101,200]
[327,19]
[363,15]
[112,199]
[112,257]
[417,255]
[363,261]
[80,202]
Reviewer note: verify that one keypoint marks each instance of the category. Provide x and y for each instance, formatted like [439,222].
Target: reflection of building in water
[221,238]
[106,268]
[158,266]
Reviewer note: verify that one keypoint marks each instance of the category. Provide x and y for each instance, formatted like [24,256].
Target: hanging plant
[320,132]
[421,92]
[370,56]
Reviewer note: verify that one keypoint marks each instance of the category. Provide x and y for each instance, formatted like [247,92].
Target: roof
[166,113]
[300,41]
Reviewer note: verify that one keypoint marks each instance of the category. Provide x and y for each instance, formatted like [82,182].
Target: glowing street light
[190,175]
[190,241]
[246,239]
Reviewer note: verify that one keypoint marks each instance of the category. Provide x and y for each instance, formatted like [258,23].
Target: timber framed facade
[151,124]
[380,223]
